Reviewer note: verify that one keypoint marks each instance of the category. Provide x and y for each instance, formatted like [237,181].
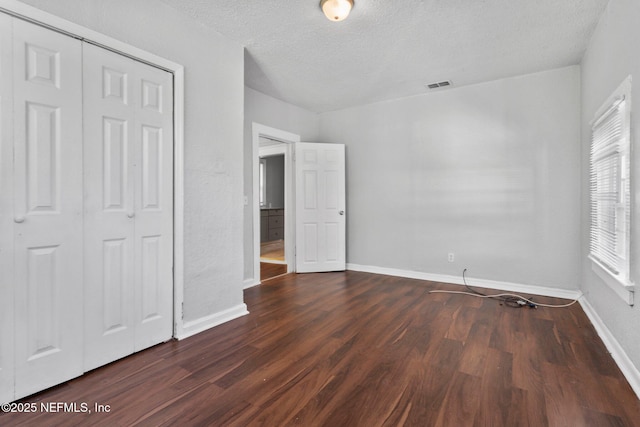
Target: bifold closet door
[128,228]
[6,210]
[47,207]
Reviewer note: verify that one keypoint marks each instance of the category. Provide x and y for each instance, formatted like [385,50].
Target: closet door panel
[128,206]
[109,206]
[47,179]
[6,211]
[154,206]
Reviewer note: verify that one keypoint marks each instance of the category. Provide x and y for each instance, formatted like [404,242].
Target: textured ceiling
[390,49]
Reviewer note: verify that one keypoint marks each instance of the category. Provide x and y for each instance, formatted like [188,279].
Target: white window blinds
[610,189]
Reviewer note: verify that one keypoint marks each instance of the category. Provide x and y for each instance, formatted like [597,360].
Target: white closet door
[6,209]
[109,126]
[128,210]
[47,179]
[153,157]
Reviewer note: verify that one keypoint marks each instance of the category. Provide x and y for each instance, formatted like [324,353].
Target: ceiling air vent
[439,84]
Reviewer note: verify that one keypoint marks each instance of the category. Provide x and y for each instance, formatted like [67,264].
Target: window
[610,187]
[263,182]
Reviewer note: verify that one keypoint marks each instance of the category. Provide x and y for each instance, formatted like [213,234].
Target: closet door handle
[18,219]
[131,214]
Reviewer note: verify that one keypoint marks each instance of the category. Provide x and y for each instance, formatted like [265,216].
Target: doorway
[273,202]
[320,245]
[272,197]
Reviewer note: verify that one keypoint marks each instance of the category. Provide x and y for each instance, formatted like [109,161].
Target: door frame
[258,130]
[55,23]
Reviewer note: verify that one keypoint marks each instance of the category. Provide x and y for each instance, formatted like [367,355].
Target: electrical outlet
[451,257]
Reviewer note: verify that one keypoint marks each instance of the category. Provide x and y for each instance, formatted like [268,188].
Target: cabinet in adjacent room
[271,225]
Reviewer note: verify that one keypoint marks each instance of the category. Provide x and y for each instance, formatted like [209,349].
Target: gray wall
[268,111]
[490,172]
[275,181]
[213,162]
[611,56]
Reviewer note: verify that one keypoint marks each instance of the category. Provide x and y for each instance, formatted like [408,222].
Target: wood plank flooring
[272,251]
[356,349]
[269,270]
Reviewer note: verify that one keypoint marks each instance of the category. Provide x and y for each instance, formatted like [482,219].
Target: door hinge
[182,310]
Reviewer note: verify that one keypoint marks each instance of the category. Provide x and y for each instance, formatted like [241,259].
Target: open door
[320,207]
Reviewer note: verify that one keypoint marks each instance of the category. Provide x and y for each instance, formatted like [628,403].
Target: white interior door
[129,205]
[47,180]
[6,209]
[320,207]
[153,160]
[109,124]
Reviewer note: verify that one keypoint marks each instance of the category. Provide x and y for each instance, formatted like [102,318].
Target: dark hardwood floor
[272,250]
[356,349]
[269,270]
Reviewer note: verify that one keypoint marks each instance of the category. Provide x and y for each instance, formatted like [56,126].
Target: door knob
[18,219]
[131,214]
[341,212]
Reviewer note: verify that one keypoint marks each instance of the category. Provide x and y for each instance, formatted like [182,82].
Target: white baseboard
[192,327]
[482,283]
[250,283]
[625,364]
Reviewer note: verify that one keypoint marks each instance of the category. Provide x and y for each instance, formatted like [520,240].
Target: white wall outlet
[451,257]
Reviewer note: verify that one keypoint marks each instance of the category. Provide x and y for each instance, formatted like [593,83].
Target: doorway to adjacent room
[274,206]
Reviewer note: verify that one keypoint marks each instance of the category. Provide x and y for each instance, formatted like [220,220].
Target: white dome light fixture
[336,10]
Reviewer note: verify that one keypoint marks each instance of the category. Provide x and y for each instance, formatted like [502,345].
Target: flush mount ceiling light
[336,10]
